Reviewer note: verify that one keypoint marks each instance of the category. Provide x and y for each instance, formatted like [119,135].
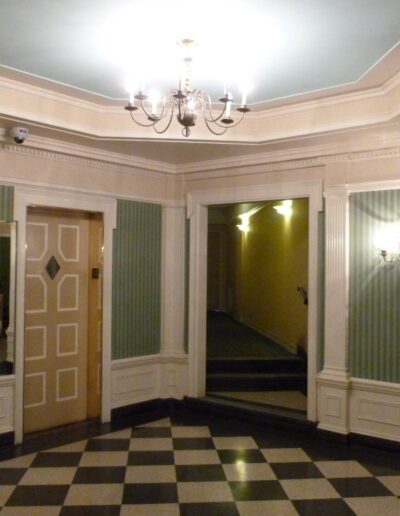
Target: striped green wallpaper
[136,317]
[6,202]
[374,311]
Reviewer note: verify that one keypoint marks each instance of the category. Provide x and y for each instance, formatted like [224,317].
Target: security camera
[19,134]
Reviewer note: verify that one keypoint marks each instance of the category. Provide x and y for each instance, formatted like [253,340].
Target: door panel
[56,315]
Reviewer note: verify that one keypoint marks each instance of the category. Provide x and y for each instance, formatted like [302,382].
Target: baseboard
[289,347]
[146,411]
[374,442]
[6,439]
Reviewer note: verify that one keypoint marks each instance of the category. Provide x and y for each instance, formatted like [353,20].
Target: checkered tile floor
[165,468]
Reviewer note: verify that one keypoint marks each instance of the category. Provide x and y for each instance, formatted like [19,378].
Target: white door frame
[55,198]
[198,202]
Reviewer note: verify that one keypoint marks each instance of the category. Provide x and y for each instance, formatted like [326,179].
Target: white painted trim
[198,201]
[375,408]
[46,241]
[173,281]
[146,378]
[76,305]
[373,186]
[66,398]
[61,227]
[93,193]
[67,353]
[62,198]
[43,402]
[44,355]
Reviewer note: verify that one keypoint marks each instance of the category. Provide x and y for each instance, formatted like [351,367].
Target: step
[256,381]
[288,364]
[265,415]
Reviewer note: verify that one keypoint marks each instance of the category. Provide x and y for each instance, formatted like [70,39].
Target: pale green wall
[136,319]
[6,202]
[374,316]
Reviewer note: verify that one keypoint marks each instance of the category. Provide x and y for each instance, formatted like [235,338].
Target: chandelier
[186,102]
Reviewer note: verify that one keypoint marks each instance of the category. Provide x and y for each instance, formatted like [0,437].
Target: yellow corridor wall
[274,263]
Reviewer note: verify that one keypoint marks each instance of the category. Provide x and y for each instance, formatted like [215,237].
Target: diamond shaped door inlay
[52,267]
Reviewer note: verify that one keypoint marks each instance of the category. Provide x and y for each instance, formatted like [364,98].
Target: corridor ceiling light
[245,218]
[186,101]
[285,208]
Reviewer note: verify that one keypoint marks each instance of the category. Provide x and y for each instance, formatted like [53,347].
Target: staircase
[257,374]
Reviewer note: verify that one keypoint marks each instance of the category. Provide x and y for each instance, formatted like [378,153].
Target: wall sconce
[285,208]
[390,257]
[245,218]
[387,241]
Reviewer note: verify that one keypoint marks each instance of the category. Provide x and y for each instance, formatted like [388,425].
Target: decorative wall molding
[134,380]
[88,157]
[375,408]
[52,187]
[7,396]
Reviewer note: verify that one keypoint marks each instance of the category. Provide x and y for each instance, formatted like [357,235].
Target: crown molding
[54,109]
[86,155]
[298,157]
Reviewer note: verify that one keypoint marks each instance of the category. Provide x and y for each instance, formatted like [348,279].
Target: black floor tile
[37,495]
[107,445]
[291,470]
[193,443]
[91,510]
[56,460]
[200,473]
[334,507]
[155,458]
[354,487]
[381,470]
[209,509]
[152,432]
[150,493]
[258,490]
[11,476]
[232,456]
[103,475]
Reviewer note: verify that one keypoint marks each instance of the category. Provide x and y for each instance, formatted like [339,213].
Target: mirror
[7,295]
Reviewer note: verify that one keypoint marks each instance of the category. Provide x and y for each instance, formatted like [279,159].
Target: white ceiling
[284,48]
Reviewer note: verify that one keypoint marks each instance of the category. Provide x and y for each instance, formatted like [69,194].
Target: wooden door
[95,315]
[56,319]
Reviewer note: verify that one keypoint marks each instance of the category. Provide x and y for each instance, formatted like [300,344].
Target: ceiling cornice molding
[311,162]
[326,151]
[51,109]
[87,156]
[265,163]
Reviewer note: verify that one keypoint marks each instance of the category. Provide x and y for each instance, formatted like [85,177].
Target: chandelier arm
[231,125]
[145,111]
[140,123]
[161,131]
[212,130]
[211,119]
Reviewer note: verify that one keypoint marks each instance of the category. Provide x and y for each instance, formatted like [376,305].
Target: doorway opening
[63,317]
[257,303]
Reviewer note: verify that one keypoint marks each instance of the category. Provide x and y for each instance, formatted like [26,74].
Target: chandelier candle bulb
[228,109]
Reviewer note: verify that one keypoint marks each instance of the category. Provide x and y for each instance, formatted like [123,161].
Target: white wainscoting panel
[7,384]
[375,408]
[146,378]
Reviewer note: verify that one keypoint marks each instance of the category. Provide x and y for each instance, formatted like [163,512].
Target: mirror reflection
[7,289]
